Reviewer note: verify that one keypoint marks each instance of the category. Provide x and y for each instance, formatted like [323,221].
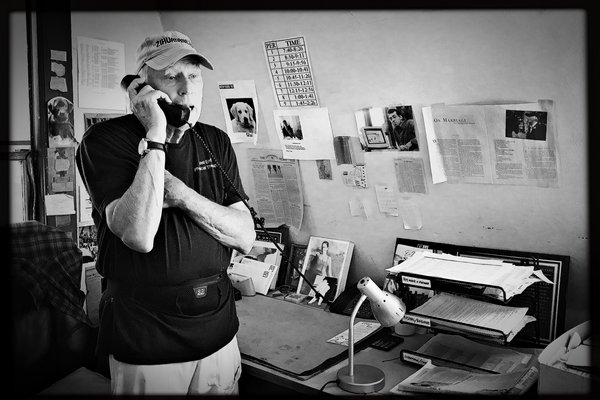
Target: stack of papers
[477,319]
[432,379]
[498,279]
[455,351]
[453,364]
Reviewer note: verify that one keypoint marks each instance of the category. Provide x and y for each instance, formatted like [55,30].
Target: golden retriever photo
[242,117]
[60,126]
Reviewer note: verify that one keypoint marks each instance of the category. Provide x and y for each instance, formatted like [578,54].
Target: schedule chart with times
[291,72]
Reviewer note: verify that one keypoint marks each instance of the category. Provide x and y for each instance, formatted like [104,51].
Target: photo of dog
[60,126]
[242,117]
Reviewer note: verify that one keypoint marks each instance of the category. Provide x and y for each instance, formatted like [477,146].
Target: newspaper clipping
[277,188]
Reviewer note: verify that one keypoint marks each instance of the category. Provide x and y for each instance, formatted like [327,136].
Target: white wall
[364,58]
[374,58]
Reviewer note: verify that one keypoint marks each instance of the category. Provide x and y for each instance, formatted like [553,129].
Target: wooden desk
[262,320]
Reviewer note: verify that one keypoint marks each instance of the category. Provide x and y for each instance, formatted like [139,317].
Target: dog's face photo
[242,117]
[60,127]
[59,109]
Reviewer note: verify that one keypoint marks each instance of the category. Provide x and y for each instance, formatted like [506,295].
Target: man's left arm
[231,225]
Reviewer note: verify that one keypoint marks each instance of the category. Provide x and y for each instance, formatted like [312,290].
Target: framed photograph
[326,266]
[374,136]
[295,259]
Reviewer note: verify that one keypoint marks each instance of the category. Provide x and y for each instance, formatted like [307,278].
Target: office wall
[374,58]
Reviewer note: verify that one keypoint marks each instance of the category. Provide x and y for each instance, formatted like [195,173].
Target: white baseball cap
[163,50]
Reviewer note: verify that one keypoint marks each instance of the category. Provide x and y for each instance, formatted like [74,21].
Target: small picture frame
[296,258]
[374,136]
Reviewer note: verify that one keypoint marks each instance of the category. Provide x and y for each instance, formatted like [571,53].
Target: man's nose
[186,87]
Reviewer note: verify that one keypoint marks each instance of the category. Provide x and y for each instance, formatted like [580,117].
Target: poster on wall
[240,105]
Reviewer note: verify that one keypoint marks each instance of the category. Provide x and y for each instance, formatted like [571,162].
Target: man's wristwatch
[146,145]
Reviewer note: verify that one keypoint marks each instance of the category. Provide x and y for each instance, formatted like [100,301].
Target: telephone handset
[176,114]
[346,301]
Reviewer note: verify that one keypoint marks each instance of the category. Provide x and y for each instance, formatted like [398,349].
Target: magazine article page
[500,144]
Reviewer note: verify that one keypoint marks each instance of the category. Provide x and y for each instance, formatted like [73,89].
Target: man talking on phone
[167,218]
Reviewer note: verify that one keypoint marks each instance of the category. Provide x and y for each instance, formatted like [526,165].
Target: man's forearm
[135,216]
[232,226]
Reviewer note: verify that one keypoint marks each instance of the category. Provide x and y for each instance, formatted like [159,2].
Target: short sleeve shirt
[108,159]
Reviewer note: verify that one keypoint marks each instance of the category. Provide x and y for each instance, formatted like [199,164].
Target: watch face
[142,146]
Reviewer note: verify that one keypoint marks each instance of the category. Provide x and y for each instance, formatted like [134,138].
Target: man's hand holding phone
[144,104]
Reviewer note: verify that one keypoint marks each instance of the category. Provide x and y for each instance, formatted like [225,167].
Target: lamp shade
[387,308]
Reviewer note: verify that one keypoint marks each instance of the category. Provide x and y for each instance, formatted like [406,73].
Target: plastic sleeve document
[458,352]
[467,311]
[433,379]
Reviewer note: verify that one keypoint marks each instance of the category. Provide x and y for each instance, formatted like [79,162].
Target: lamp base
[366,379]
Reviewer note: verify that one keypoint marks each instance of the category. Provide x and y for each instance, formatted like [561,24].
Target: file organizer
[545,302]
[471,289]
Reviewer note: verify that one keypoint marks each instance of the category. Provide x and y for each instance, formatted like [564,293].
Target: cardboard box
[554,380]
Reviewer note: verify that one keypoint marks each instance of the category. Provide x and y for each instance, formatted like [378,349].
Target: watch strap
[156,145]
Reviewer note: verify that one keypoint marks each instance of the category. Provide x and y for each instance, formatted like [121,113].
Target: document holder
[473,290]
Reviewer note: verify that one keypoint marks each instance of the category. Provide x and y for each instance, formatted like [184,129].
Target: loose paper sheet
[240,107]
[386,199]
[410,173]
[59,204]
[101,66]
[305,134]
[277,187]
[361,330]
[411,214]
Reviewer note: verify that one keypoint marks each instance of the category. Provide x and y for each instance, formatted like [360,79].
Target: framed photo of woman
[325,266]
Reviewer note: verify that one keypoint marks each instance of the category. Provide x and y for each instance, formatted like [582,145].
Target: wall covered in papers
[376,58]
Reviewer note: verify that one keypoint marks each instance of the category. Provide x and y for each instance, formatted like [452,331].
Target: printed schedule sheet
[291,72]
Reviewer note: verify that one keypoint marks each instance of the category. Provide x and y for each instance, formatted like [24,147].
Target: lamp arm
[362,298]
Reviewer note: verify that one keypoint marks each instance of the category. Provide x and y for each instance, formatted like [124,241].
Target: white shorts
[217,374]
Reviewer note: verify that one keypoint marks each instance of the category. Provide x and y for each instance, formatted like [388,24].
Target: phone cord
[258,221]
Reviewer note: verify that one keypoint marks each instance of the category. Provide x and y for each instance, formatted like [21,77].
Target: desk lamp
[388,310]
